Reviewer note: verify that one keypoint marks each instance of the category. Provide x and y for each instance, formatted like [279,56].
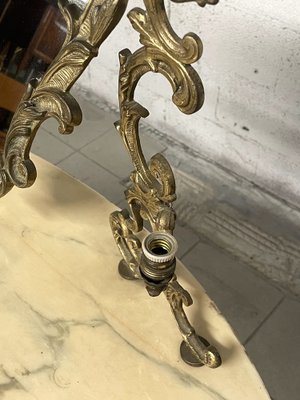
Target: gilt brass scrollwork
[152,189]
[50,96]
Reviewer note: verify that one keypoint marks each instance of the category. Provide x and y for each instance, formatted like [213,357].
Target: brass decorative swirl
[49,96]
[152,189]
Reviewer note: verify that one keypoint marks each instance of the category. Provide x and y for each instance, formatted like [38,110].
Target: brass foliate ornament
[152,189]
[50,96]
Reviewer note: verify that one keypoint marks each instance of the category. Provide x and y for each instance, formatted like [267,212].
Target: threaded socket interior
[159,247]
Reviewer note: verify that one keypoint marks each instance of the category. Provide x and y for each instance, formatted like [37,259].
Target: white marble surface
[71,328]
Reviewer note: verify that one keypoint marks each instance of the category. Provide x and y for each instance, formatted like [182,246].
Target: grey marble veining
[71,328]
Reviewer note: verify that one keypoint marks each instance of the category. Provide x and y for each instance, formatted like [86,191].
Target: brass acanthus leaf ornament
[153,185]
[152,189]
[49,96]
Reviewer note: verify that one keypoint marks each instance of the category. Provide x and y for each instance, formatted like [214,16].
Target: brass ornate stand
[152,190]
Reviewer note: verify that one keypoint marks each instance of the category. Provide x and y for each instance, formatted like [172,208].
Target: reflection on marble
[71,328]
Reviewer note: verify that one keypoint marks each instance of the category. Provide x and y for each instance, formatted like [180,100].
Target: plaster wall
[251,73]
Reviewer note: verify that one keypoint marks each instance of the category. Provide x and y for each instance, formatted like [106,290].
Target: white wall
[251,73]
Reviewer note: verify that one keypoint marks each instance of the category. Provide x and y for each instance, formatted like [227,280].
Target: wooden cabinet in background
[48,38]
[27,47]
[11,92]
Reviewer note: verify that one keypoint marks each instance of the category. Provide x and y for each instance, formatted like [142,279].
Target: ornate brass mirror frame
[152,189]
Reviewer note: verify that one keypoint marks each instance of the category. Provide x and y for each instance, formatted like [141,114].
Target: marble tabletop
[72,328]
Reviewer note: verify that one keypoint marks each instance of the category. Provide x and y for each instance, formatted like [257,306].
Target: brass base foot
[188,356]
[126,272]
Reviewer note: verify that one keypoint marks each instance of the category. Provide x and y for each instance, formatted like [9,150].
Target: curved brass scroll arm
[152,189]
[200,350]
[49,96]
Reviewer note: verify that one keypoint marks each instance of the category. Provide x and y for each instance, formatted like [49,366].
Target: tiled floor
[265,319]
